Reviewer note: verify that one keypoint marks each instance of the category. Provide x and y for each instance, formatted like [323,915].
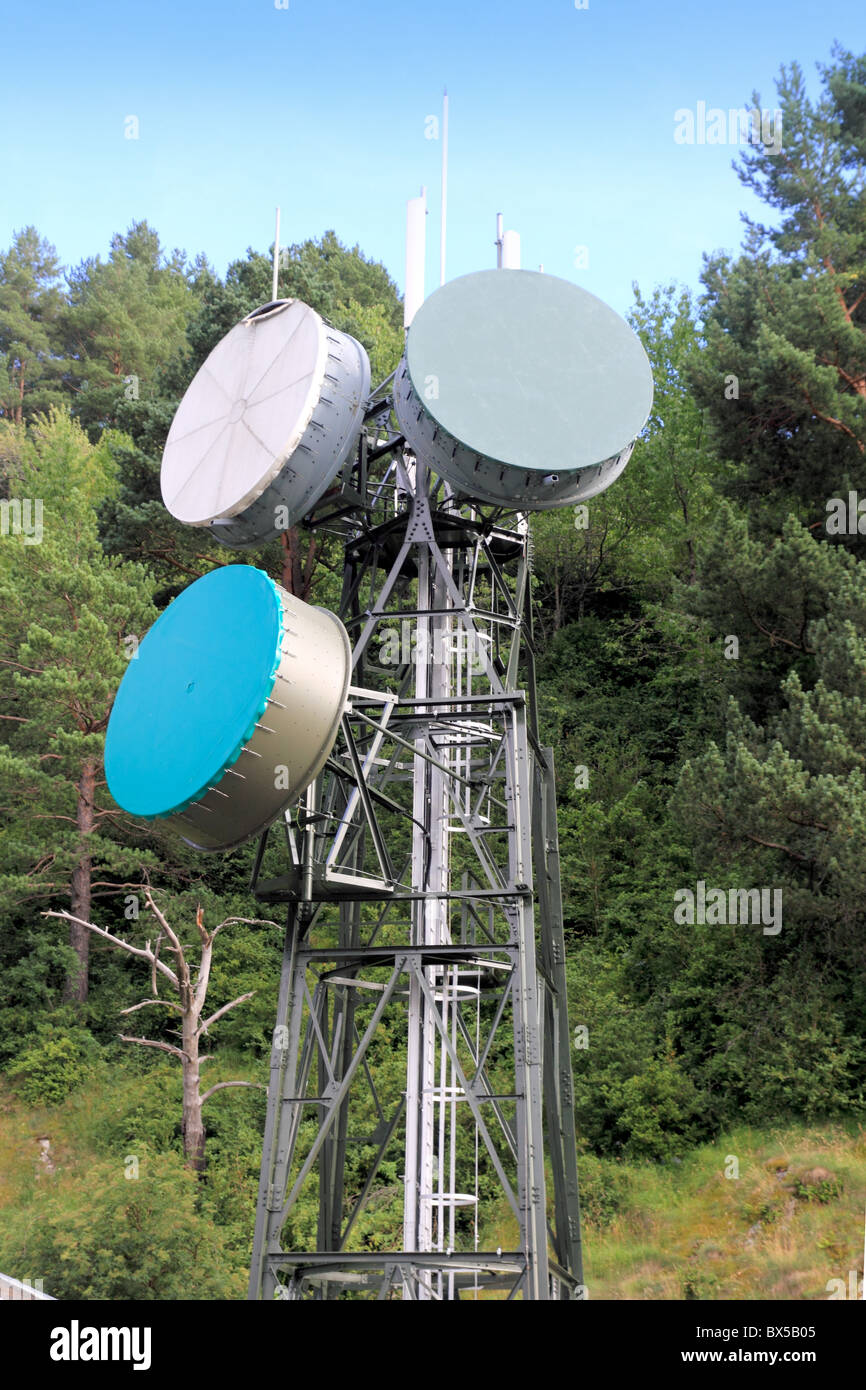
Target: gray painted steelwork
[424,927]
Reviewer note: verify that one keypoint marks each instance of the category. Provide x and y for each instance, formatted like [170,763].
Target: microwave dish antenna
[266,425]
[229,710]
[521,389]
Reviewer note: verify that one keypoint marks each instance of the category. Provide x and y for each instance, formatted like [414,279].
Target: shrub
[52,1064]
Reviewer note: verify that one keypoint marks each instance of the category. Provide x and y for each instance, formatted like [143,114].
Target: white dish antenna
[266,424]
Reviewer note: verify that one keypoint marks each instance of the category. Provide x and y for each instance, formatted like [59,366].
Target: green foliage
[54,1063]
[32,363]
[102,1234]
[67,609]
[787,318]
[826,1191]
[126,317]
[632,1096]
[132,1104]
[786,802]
[33,966]
[604,1189]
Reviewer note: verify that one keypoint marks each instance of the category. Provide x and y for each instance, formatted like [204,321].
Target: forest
[701,636]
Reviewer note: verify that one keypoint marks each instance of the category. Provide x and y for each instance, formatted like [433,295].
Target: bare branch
[116,941]
[149,1042]
[166,1004]
[153,967]
[257,1085]
[160,917]
[247,921]
[203,1027]
[202,929]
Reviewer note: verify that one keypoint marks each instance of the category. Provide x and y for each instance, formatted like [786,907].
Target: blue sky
[561,119]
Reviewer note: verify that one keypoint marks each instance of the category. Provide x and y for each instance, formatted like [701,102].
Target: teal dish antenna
[229,710]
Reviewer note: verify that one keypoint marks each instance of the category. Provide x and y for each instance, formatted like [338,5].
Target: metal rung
[357,984]
[456,1199]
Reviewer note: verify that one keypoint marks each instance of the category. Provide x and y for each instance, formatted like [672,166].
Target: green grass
[788,1224]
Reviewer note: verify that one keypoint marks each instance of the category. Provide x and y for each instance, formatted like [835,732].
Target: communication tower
[421,1062]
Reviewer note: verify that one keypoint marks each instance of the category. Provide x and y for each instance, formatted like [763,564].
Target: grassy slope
[791,1221]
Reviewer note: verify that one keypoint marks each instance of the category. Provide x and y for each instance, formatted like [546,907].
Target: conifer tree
[71,618]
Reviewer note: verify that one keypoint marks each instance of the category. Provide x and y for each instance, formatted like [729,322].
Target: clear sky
[560,118]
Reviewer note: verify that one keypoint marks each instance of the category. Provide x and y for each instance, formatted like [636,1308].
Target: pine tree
[127,316]
[784,375]
[33,366]
[71,617]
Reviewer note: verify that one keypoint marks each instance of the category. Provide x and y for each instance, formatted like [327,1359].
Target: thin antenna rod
[276,257]
[499,240]
[442,233]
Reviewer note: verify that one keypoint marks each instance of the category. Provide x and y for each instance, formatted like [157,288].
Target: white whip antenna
[442,229]
[276,257]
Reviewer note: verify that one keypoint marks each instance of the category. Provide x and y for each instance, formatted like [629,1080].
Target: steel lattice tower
[421,1061]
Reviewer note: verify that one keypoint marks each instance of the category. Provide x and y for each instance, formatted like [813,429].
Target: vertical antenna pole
[276,257]
[499,241]
[416,215]
[442,230]
[511,251]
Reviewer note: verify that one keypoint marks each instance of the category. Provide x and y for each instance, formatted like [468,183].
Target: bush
[52,1064]
[604,1189]
[106,1233]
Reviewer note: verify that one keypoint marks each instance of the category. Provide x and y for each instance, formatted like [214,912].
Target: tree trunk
[287,578]
[75,989]
[18,411]
[297,573]
[193,1124]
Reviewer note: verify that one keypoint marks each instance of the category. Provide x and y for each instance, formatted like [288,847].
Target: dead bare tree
[191,996]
